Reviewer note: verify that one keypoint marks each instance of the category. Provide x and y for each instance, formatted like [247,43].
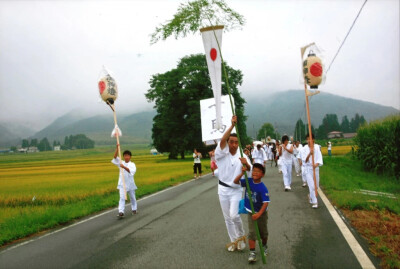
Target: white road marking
[93,217]
[362,258]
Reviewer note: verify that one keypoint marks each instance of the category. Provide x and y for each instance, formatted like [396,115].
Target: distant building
[57,148]
[153,152]
[349,135]
[335,134]
[32,150]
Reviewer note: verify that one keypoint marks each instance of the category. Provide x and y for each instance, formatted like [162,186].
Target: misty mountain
[135,128]
[7,137]
[283,109]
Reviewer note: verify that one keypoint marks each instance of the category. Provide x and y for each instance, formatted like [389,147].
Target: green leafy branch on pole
[194,15]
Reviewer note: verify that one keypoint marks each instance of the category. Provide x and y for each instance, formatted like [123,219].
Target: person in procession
[295,160]
[302,166]
[230,166]
[259,155]
[260,198]
[129,170]
[285,157]
[197,163]
[213,164]
[306,158]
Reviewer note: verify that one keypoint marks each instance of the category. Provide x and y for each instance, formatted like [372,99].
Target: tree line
[329,124]
[79,141]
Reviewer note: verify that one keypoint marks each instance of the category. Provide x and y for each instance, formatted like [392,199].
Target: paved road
[183,227]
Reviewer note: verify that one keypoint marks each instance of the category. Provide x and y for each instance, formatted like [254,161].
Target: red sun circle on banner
[102,86]
[213,54]
[316,69]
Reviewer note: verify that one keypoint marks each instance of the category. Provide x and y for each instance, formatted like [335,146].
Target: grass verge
[376,217]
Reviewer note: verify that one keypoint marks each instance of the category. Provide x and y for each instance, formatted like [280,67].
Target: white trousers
[132,197]
[230,208]
[287,173]
[296,165]
[310,183]
[304,174]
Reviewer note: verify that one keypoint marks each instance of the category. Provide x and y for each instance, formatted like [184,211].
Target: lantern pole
[112,106]
[311,144]
[240,149]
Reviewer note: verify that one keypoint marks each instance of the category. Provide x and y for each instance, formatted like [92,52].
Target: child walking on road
[260,198]
[129,170]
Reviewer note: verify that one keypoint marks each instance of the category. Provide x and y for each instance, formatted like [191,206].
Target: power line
[346,35]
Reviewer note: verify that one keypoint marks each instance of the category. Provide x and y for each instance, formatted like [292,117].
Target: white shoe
[252,257]
[289,188]
[241,243]
[315,206]
[231,246]
[304,185]
[265,251]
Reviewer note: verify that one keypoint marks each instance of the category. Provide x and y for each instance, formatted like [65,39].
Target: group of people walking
[232,170]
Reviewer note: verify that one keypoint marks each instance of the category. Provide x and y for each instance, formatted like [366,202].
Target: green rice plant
[43,190]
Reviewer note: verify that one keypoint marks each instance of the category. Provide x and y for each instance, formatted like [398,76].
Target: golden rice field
[337,150]
[41,190]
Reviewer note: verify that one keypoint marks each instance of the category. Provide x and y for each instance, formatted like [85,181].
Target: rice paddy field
[41,190]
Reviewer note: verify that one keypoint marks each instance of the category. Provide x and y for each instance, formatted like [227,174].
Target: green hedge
[378,146]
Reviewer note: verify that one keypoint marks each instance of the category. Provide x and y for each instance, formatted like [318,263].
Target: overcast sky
[51,52]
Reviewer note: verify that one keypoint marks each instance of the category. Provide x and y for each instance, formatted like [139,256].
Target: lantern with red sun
[108,87]
[312,70]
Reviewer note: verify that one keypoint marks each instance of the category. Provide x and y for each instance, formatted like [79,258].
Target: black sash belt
[223,184]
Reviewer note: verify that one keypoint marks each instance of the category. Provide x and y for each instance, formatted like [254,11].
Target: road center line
[361,256]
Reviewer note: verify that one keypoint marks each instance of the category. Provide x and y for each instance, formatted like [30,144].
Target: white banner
[214,64]
[209,131]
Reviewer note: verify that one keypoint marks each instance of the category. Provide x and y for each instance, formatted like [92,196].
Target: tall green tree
[267,129]
[345,125]
[329,123]
[34,142]
[300,130]
[356,122]
[25,143]
[177,94]
[44,144]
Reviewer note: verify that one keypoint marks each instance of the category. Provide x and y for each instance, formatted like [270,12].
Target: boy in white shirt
[129,170]
[306,158]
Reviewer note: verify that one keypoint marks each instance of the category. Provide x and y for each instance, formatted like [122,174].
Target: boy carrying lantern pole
[109,92]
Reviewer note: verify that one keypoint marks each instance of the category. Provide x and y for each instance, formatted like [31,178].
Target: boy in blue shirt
[260,198]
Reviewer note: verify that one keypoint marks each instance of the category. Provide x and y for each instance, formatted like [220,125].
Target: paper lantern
[312,70]
[108,89]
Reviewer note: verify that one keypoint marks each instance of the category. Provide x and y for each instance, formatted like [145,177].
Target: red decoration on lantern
[213,54]
[102,86]
[316,69]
